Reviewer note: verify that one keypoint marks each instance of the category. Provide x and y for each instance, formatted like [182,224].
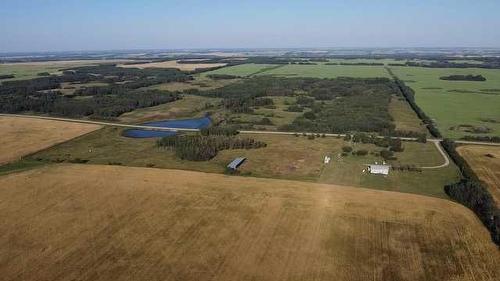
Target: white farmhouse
[379,169]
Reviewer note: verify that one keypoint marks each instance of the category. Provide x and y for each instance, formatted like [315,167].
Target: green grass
[240,70]
[322,70]
[453,103]
[285,157]
[189,106]
[19,166]
[404,117]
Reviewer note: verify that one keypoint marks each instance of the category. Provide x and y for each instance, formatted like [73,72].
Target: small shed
[379,169]
[236,163]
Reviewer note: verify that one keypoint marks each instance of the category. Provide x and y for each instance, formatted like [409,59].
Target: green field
[285,157]
[31,70]
[454,103]
[328,71]
[241,70]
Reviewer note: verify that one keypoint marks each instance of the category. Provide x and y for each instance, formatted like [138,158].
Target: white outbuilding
[379,169]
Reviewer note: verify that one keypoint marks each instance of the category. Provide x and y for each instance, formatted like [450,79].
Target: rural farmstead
[216,155]
[379,169]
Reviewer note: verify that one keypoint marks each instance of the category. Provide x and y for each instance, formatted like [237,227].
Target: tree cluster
[204,148]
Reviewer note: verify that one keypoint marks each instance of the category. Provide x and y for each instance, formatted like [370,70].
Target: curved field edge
[94,222]
[23,136]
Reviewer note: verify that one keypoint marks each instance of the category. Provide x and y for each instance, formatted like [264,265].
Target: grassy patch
[285,157]
[328,71]
[405,118]
[19,166]
[187,107]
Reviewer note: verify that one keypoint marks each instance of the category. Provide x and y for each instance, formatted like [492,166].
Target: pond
[196,123]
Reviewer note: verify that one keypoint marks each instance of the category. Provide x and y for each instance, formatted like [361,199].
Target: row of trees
[203,148]
[7,76]
[409,95]
[471,192]
[469,77]
[482,138]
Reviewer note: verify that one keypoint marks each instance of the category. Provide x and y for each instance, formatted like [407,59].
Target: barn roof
[236,163]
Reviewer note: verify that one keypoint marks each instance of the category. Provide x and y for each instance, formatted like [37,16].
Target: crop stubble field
[119,223]
[21,136]
[485,161]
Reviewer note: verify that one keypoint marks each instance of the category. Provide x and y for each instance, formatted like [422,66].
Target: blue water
[197,123]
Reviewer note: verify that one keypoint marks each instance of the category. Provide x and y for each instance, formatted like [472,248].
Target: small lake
[196,123]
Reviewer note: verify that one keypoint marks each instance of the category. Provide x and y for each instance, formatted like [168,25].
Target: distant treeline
[409,95]
[205,147]
[482,138]
[222,76]
[7,76]
[41,94]
[469,77]
[96,106]
[488,64]
[471,192]
[356,63]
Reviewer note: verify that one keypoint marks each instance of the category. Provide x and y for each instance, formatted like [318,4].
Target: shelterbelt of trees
[338,105]
[471,192]
[42,95]
[469,77]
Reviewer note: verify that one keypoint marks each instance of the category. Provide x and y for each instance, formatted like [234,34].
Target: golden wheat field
[485,161]
[21,136]
[174,64]
[90,222]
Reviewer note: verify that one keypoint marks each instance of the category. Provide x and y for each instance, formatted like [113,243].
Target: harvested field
[68,222]
[174,64]
[29,70]
[21,136]
[485,161]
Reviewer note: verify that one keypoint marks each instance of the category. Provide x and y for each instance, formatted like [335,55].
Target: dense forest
[471,192]
[122,94]
[469,77]
[328,105]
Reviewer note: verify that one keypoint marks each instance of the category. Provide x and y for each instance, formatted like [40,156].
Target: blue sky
[50,25]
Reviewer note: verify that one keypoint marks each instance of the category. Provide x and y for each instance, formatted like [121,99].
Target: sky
[78,25]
